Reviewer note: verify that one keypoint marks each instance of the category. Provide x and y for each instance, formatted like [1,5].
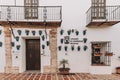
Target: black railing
[18,13]
[111,13]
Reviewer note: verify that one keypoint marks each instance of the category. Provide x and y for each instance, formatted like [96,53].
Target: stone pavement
[39,76]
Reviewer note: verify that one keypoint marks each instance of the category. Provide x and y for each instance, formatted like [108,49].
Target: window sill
[99,65]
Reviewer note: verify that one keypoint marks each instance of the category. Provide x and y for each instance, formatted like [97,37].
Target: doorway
[33,58]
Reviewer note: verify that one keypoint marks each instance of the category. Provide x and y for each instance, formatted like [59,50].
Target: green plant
[27,32]
[78,48]
[0,32]
[77,33]
[43,46]
[69,32]
[61,31]
[66,48]
[84,40]
[84,32]
[48,43]
[18,47]
[63,63]
[40,32]
[43,37]
[59,47]
[61,40]
[12,44]
[0,44]
[72,48]
[33,32]
[85,47]
[19,32]
[17,38]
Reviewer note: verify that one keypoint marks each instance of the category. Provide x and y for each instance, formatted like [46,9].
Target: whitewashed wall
[2,51]
[74,16]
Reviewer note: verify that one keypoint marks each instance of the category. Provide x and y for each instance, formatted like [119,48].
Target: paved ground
[76,76]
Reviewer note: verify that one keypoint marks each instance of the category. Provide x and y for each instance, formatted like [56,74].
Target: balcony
[104,16]
[34,15]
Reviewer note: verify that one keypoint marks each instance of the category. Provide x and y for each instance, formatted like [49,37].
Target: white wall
[74,16]
[2,51]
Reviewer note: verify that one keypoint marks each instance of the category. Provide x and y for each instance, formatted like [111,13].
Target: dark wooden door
[33,54]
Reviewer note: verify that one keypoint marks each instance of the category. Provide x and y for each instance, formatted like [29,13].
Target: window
[101,53]
[98,9]
[31,9]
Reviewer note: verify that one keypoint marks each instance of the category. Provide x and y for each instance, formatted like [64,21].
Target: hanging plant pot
[84,40]
[18,47]
[0,44]
[48,43]
[72,48]
[0,32]
[61,32]
[59,48]
[85,47]
[72,30]
[33,32]
[78,48]
[66,48]
[77,33]
[61,40]
[69,32]
[19,32]
[43,46]
[43,37]
[40,32]
[27,32]
[17,38]
[84,32]
[12,44]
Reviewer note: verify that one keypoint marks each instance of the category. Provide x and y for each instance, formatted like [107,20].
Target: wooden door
[33,58]
[98,9]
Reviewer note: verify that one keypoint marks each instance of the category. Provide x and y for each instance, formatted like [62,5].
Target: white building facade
[70,30]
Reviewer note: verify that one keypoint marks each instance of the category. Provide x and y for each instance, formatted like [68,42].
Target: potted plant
[27,32]
[17,38]
[43,37]
[108,54]
[84,32]
[0,32]
[78,48]
[69,32]
[97,54]
[66,48]
[19,32]
[48,43]
[64,69]
[0,44]
[84,40]
[85,47]
[40,32]
[61,31]
[72,30]
[72,48]
[18,47]
[77,33]
[33,32]
[118,70]
[12,44]
[59,47]
[43,46]
[61,40]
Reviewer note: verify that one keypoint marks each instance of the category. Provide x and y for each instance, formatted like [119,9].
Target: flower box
[108,54]
[97,54]
[97,46]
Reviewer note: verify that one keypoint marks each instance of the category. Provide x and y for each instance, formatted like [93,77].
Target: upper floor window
[98,9]
[31,9]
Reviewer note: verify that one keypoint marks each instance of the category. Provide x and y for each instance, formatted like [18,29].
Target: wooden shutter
[31,9]
[98,9]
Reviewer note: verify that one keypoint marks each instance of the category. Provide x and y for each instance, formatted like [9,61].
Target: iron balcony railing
[19,13]
[109,13]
